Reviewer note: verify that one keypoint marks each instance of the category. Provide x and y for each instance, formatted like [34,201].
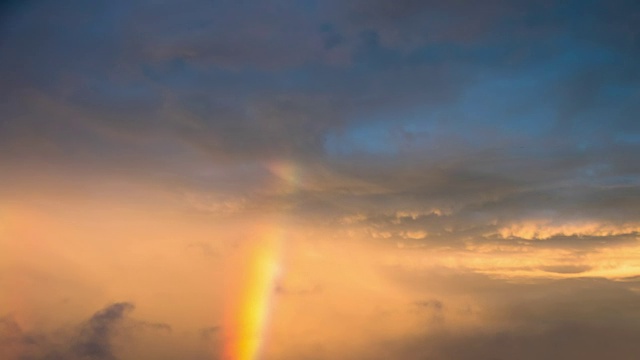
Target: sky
[311,180]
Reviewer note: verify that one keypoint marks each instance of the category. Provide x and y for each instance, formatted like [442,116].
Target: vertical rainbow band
[248,317]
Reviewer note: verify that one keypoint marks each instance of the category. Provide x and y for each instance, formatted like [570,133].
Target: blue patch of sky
[628,138]
[510,104]
[387,133]
[494,97]
[372,139]
[618,92]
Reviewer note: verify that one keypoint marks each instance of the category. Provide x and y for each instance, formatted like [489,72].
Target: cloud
[542,230]
[415,23]
[107,334]
[96,335]
[260,93]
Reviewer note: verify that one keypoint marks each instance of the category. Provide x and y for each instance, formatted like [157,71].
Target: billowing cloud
[102,336]
[96,335]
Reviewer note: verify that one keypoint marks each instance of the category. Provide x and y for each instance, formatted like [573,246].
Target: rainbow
[247,316]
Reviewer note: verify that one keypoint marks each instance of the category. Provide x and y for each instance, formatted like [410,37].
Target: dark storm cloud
[492,113]
[146,58]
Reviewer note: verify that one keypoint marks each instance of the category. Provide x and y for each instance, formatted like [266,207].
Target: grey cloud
[96,335]
[101,337]
[476,200]
[272,35]
[291,126]
[112,85]
[414,23]
[119,96]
